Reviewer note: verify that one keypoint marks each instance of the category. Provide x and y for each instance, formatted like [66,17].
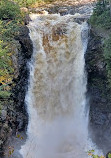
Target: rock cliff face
[14,116]
[99,93]
[19,91]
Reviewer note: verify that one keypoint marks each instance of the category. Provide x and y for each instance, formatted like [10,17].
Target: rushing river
[56,100]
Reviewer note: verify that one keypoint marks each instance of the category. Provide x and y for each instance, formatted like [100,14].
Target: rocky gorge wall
[14,115]
[99,93]
[19,91]
[15,118]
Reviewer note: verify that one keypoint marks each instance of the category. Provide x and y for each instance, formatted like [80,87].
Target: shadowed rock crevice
[24,55]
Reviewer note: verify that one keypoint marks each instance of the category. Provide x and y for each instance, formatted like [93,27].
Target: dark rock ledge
[19,91]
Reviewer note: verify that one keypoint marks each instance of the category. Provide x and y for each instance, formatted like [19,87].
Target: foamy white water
[56,101]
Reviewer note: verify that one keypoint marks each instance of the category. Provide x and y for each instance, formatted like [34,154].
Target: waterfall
[56,101]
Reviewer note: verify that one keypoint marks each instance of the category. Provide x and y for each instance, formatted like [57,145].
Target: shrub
[101,19]
[4,94]
[10,20]
[28,3]
[101,16]
[25,3]
[97,20]
[9,10]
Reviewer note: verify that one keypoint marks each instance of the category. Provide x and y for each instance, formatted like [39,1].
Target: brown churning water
[56,101]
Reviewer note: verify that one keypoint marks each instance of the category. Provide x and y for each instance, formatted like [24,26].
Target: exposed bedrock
[99,93]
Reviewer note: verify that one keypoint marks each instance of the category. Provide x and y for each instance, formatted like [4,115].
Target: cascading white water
[58,122]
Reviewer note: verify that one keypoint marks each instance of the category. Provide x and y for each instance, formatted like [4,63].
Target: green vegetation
[11,19]
[101,16]
[28,3]
[109,155]
[5,70]
[9,10]
[25,3]
[107,56]
[92,155]
[101,19]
